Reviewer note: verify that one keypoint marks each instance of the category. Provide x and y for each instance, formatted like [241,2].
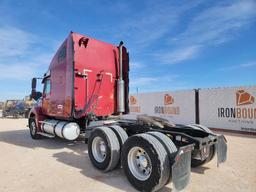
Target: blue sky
[173,44]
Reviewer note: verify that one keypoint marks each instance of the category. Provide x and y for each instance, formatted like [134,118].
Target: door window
[47,87]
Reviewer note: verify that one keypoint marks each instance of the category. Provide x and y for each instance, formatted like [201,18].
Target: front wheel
[33,129]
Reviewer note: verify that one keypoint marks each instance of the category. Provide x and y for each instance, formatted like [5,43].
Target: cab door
[46,108]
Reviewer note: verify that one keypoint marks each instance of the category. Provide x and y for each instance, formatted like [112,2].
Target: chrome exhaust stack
[120,83]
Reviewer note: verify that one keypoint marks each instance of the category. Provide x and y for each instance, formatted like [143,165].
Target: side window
[62,53]
[47,86]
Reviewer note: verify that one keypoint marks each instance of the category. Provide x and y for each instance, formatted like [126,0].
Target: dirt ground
[59,165]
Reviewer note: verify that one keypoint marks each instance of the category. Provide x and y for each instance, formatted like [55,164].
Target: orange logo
[168,99]
[244,98]
[133,100]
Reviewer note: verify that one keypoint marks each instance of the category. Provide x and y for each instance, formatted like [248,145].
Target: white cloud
[249,64]
[14,42]
[21,58]
[158,83]
[12,95]
[136,65]
[178,55]
[219,24]
[213,26]
[142,81]
[15,72]
[20,55]
[12,68]
[241,66]
[156,20]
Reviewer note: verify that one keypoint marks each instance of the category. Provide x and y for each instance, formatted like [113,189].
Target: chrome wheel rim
[139,163]
[99,149]
[33,127]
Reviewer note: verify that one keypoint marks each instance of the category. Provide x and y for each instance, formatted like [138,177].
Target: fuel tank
[64,129]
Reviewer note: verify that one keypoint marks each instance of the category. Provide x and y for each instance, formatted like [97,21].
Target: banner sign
[177,106]
[228,108]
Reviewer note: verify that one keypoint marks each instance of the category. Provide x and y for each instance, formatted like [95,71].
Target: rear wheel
[168,145]
[121,136]
[145,162]
[33,129]
[120,133]
[104,148]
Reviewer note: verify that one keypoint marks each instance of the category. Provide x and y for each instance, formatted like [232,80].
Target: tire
[33,129]
[166,142]
[121,136]
[104,149]
[149,176]
[120,133]
[202,127]
[168,145]
[197,162]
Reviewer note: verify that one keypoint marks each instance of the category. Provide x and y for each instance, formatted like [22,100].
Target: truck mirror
[35,95]
[33,86]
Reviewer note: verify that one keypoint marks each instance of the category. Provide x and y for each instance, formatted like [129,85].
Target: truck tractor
[86,91]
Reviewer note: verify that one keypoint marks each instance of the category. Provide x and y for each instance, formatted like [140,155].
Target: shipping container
[176,106]
[228,108]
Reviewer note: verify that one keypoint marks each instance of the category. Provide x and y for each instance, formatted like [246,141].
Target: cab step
[46,135]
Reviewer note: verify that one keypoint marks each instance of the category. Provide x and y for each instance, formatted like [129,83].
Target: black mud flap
[181,168]
[221,149]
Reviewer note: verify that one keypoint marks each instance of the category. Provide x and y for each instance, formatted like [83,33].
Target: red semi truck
[86,91]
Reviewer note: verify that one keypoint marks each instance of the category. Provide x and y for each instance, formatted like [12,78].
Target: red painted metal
[83,75]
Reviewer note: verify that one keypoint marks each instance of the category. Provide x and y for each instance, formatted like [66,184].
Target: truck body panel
[56,101]
[83,75]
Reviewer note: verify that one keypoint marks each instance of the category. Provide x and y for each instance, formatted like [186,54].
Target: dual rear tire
[145,162]
[104,146]
[146,158]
